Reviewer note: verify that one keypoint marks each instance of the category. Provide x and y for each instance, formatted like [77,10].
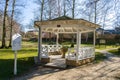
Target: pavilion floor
[57,62]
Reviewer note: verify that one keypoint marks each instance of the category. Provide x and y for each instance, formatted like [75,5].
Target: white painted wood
[57,39]
[66,22]
[94,39]
[87,31]
[15,62]
[78,45]
[80,39]
[49,48]
[68,26]
[40,40]
[40,46]
[84,53]
[16,42]
[67,29]
[94,33]
[71,54]
[39,33]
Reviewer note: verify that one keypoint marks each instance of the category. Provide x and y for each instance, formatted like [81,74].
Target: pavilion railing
[83,53]
[49,48]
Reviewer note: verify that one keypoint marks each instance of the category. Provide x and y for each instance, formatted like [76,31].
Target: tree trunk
[59,10]
[64,7]
[95,12]
[11,24]
[73,15]
[73,9]
[50,9]
[41,15]
[4,25]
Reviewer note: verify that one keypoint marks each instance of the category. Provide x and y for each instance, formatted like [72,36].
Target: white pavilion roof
[66,26]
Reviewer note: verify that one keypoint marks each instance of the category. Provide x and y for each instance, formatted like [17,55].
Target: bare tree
[73,16]
[64,7]
[50,8]
[4,25]
[11,24]
[59,8]
[117,17]
[73,9]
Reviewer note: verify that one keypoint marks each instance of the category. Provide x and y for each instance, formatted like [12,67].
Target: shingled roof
[62,18]
[65,24]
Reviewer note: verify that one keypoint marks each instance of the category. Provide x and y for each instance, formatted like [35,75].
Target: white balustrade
[49,48]
[84,53]
[71,54]
[44,52]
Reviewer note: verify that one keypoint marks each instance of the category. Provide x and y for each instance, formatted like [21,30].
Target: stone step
[57,63]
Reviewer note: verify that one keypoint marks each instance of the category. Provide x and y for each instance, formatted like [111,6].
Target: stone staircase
[57,63]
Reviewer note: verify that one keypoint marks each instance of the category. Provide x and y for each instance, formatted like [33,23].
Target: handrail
[84,53]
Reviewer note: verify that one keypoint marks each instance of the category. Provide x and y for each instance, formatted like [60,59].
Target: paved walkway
[106,70]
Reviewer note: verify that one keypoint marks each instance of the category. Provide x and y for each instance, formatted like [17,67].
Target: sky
[30,8]
[28,12]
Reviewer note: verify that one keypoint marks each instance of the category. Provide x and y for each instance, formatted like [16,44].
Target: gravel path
[106,70]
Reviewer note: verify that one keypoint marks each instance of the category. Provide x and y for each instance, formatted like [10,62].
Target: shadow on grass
[99,57]
[25,65]
[7,67]
[115,52]
[43,71]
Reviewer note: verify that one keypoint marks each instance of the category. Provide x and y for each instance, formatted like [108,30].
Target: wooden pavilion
[67,25]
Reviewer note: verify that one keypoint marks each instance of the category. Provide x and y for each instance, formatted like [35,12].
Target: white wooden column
[39,43]
[57,39]
[78,44]
[94,38]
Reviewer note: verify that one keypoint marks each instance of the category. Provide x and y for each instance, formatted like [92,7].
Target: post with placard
[102,42]
[16,45]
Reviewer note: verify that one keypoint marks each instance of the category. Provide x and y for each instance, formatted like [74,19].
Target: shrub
[63,51]
[119,49]
[33,39]
[72,45]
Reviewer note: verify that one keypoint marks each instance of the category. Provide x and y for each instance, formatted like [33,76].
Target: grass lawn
[24,63]
[102,47]
[115,52]
[25,59]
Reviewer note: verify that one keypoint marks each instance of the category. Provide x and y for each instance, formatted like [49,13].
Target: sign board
[102,41]
[16,42]
[16,45]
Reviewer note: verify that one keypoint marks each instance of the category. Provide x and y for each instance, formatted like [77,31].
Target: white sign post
[16,45]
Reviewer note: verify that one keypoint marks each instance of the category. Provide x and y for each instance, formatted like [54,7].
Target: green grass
[99,57]
[102,47]
[115,52]
[25,61]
